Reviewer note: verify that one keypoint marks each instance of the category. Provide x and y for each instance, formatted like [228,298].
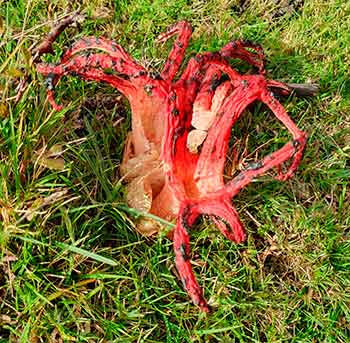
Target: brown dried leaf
[32,210]
[5,215]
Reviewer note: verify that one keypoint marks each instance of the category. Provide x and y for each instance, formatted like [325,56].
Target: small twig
[304,89]
[46,47]
[299,89]
[26,33]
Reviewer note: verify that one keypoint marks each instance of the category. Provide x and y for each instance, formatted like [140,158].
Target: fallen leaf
[49,159]
[33,209]
[51,163]
[56,149]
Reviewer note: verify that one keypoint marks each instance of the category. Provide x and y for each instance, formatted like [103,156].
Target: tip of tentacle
[40,67]
[204,307]
[174,29]
[53,103]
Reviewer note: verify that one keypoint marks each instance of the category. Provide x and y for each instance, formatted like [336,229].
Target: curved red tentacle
[88,67]
[183,30]
[299,137]
[108,46]
[237,49]
[186,218]
[224,216]
[77,59]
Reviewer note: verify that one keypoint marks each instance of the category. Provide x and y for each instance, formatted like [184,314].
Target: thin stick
[304,89]
[46,47]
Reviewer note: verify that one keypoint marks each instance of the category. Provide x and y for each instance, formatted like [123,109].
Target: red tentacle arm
[88,65]
[89,72]
[224,216]
[233,187]
[108,46]
[238,49]
[94,64]
[183,30]
[187,216]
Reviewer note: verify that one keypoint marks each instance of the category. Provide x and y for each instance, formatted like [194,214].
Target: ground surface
[72,268]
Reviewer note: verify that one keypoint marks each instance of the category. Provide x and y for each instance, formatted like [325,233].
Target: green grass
[72,267]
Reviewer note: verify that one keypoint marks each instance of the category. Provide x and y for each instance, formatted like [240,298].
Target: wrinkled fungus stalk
[175,154]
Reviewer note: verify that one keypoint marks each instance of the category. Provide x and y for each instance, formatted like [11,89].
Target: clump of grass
[72,267]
